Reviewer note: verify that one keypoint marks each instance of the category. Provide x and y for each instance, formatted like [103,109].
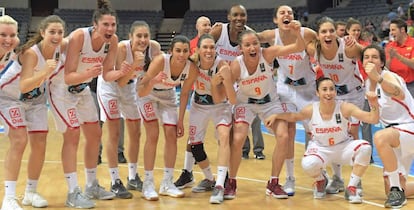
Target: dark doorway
[43,7]
[175,8]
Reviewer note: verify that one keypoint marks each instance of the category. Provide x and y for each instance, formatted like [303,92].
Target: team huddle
[323,80]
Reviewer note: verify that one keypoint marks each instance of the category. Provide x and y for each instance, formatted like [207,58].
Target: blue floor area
[300,138]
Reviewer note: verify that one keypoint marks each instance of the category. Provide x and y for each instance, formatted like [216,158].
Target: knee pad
[198,152]
[312,165]
[363,155]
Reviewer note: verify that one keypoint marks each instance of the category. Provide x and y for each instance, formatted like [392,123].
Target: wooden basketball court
[252,179]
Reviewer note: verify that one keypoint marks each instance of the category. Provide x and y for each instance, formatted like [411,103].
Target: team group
[323,80]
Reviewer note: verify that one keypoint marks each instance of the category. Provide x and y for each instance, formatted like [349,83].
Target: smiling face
[8,37]
[53,34]
[106,26]
[180,52]
[355,31]
[250,45]
[326,90]
[283,16]
[207,50]
[140,38]
[327,35]
[237,18]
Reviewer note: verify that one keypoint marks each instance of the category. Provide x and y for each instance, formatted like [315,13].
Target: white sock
[290,167]
[208,174]
[337,170]
[90,174]
[10,188]
[72,180]
[31,185]
[189,161]
[149,176]
[114,172]
[168,173]
[354,180]
[132,170]
[221,175]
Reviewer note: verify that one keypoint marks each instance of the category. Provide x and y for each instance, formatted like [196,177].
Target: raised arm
[372,117]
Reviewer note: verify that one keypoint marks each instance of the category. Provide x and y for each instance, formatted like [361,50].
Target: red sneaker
[275,189]
[230,189]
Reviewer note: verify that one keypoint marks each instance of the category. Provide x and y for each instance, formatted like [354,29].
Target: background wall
[15,3]
[117,4]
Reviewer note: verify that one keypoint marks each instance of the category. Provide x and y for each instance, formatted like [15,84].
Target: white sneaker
[34,199]
[289,186]
[10,203]
[148,191]
[168,188]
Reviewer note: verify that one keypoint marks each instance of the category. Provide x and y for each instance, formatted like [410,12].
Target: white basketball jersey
[328,132]
[393,111]
[341,69]
[203,83]
[259,84]
[170,82]
[9,81]
[224,48]
[87,56]
[294,66]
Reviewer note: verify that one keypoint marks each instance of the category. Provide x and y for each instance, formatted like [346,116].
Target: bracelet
[380,80]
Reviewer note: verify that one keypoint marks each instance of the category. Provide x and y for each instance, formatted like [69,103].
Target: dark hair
[400,23]
[320,80]
[104,8]
[340,23]
[241,35]
[352,21]
[277,9]
[138,23]
[317,42]
[179,38]
[41,28]
[202,37]
[378,48]
[236,5]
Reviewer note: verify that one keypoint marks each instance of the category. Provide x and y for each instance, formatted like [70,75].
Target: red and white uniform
[5,60]
[203,109]
[115,101]
[398,115]
[256,93]
[74,105]
[331,141]
[344,72]
[23,110]
[161,102]
[226,50]
[295,79]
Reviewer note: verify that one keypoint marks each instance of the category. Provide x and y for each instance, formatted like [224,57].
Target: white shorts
[31,114]
[245,112]
[295,98]
[200,115]
[406,139]
[342,153]
[115,101]
[159,104]
[71,110]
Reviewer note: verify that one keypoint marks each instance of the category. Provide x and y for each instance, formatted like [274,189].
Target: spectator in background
[410,27]
[410,12]
[392,15]
[385,27]
[340,28]
[400,11]
[400,53]
[203,26]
